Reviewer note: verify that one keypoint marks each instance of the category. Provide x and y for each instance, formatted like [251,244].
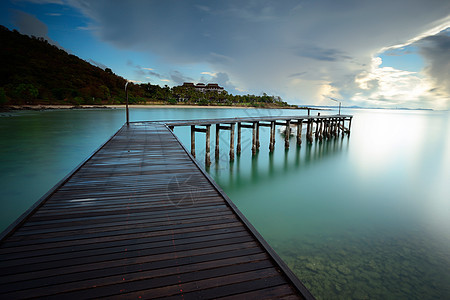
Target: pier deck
[139,218]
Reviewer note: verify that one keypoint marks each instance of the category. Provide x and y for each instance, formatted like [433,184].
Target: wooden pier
[319,126]
[141,219]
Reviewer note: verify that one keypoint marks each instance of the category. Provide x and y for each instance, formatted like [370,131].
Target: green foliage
[3,98]
[172,101]
[26,92]
[33,71]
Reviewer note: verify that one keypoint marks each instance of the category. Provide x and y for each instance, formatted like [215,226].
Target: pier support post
[321,130]
[217,141]
[309,131]
[208,148]
[193,140]
[257,136]
[272,136]
[232,142]
[254,138]
[287,133]
[317,129]
[349,126]
[238,149]
[299,131]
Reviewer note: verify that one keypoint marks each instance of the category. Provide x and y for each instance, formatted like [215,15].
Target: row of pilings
[319,128]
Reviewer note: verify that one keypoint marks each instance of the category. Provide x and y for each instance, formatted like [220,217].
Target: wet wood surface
[140,219]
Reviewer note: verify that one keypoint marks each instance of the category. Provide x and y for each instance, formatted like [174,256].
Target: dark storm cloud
[32,26]
[318,53]
[260,43]
[179,78]
[436,51]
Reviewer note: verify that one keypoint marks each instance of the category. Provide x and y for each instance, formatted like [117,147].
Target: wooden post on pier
[254,138]
[238,149]
[349,125]
[309,131]
[317,129]
[193,140]
[287,133]
[232,142]
[217,141]
[272,136]
[321,130]
[257,136]
[299,131]
[208,144]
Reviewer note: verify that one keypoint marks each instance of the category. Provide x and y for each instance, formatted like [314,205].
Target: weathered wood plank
[140,218]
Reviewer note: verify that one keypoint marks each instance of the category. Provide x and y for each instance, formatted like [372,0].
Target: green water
[360,217]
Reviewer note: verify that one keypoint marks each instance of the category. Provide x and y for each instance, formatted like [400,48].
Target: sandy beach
[117,106]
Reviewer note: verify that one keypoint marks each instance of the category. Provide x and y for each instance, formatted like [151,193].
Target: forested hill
[32,71]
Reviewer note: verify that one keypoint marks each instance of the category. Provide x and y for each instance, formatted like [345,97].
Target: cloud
[98,64]
[32,26]
[209,73]
[299,50]
[390,87]
[179,78]
[436,51]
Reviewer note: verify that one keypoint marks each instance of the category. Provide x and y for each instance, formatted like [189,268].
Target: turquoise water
[360,217]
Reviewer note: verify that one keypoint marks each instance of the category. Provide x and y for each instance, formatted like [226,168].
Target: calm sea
[360,217]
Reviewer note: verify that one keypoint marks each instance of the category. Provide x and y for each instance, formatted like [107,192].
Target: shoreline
[40,107]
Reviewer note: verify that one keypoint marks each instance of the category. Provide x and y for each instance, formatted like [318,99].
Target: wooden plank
[140,217]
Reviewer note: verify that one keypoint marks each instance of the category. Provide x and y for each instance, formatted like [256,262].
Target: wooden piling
[257,136]
[317,129]
[238,149]
[254,138]
[217,141]
[272,136]
[299,131]
[193,140]
[232,142]
[309,131]
[349,125]
[287,133]
[321,130]
[208,144]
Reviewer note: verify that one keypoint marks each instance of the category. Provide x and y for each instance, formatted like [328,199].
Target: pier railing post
[208,146]
[193,140]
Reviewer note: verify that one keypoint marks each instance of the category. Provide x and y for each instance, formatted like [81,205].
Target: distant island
[34,72]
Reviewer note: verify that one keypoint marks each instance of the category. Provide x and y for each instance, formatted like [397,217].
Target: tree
[3,99]
[27,92]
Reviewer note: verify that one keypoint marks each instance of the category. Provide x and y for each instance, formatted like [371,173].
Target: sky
[384,53]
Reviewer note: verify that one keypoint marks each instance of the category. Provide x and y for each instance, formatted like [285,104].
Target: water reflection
[265,165]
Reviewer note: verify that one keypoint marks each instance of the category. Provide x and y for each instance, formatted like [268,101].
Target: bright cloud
[304,51]
[209,73]
[392,87]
